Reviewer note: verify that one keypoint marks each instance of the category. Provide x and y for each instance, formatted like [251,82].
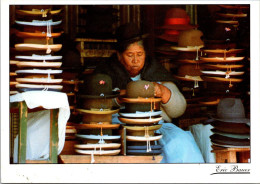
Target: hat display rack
[38,66]
[140,118]
[97,134]
[223,59]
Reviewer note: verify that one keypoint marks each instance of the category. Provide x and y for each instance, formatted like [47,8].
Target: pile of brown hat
[141,116]
[35,48]
[231,127]
[95,133]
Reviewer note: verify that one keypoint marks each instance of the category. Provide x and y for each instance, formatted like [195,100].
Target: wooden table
[86,159]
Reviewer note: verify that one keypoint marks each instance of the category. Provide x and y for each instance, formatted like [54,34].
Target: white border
[127,173]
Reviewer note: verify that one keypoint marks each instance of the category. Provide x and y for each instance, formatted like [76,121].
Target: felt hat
[140,121]
[176,20]
[220,139]
[189,72]
[231,135]
[140,97]
[128,33]
[98,85]
[141,130]
[231,110]
[97,92]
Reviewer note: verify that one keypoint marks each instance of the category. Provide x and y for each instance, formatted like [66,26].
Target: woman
[130,64]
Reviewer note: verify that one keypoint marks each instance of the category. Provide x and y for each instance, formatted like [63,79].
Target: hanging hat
[176,19]
[231,110]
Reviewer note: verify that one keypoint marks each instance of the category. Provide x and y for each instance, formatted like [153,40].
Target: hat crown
[230,108]
[141,88]
[191,37]
[189,69]
[98,85]
[128,33]
[176,13]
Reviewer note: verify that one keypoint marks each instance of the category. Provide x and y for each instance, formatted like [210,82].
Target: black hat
[128,33]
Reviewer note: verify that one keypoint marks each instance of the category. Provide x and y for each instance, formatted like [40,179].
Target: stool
[231,155]
[22,132]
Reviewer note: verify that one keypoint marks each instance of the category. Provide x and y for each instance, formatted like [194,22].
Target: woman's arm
[173,101]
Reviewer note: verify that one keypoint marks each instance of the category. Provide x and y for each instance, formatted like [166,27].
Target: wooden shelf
[80,159]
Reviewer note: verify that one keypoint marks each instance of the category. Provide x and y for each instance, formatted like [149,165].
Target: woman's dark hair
[126,35]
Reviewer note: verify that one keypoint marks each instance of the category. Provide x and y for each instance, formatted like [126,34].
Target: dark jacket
[152,71]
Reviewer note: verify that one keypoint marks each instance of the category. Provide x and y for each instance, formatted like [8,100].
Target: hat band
[171,32]
[173,21]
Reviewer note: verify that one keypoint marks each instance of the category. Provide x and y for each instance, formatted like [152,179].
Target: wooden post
[22,138]
[54,135]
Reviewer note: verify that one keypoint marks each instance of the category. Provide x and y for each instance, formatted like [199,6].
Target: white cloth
[201,134]
[38,126]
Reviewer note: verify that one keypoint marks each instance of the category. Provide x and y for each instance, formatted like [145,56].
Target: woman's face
[133,58]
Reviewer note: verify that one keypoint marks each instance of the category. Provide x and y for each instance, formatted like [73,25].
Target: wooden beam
[54,135]
[22,138]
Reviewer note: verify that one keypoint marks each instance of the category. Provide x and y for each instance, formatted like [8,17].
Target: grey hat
[231,110]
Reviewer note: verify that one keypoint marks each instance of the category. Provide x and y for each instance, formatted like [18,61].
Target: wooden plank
[54,135]
[122,133]
[38,161]
[77,159]
[22,136]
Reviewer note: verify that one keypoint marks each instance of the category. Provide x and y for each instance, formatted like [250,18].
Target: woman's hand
[162,92]
[121,94]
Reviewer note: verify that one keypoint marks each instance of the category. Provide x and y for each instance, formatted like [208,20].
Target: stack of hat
[223,61]
[231,127]
[189,45]
[96,130]
[232,14]
[13,75]
[35,53]
[176,21]
[141,116]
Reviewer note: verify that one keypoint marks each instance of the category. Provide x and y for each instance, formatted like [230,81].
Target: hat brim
[91,111]
[113,95]
[140,121]
[143,138]
[219,139]
[188,79]
[220,79]
[178,26]
[140,114]
[98,152]
[142,128]
[141,100]
[236,136]
[221,59]
[230,127]
[169,38]
[97,146]
[97,126]
[187,49]
[143,152]
[233,120]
